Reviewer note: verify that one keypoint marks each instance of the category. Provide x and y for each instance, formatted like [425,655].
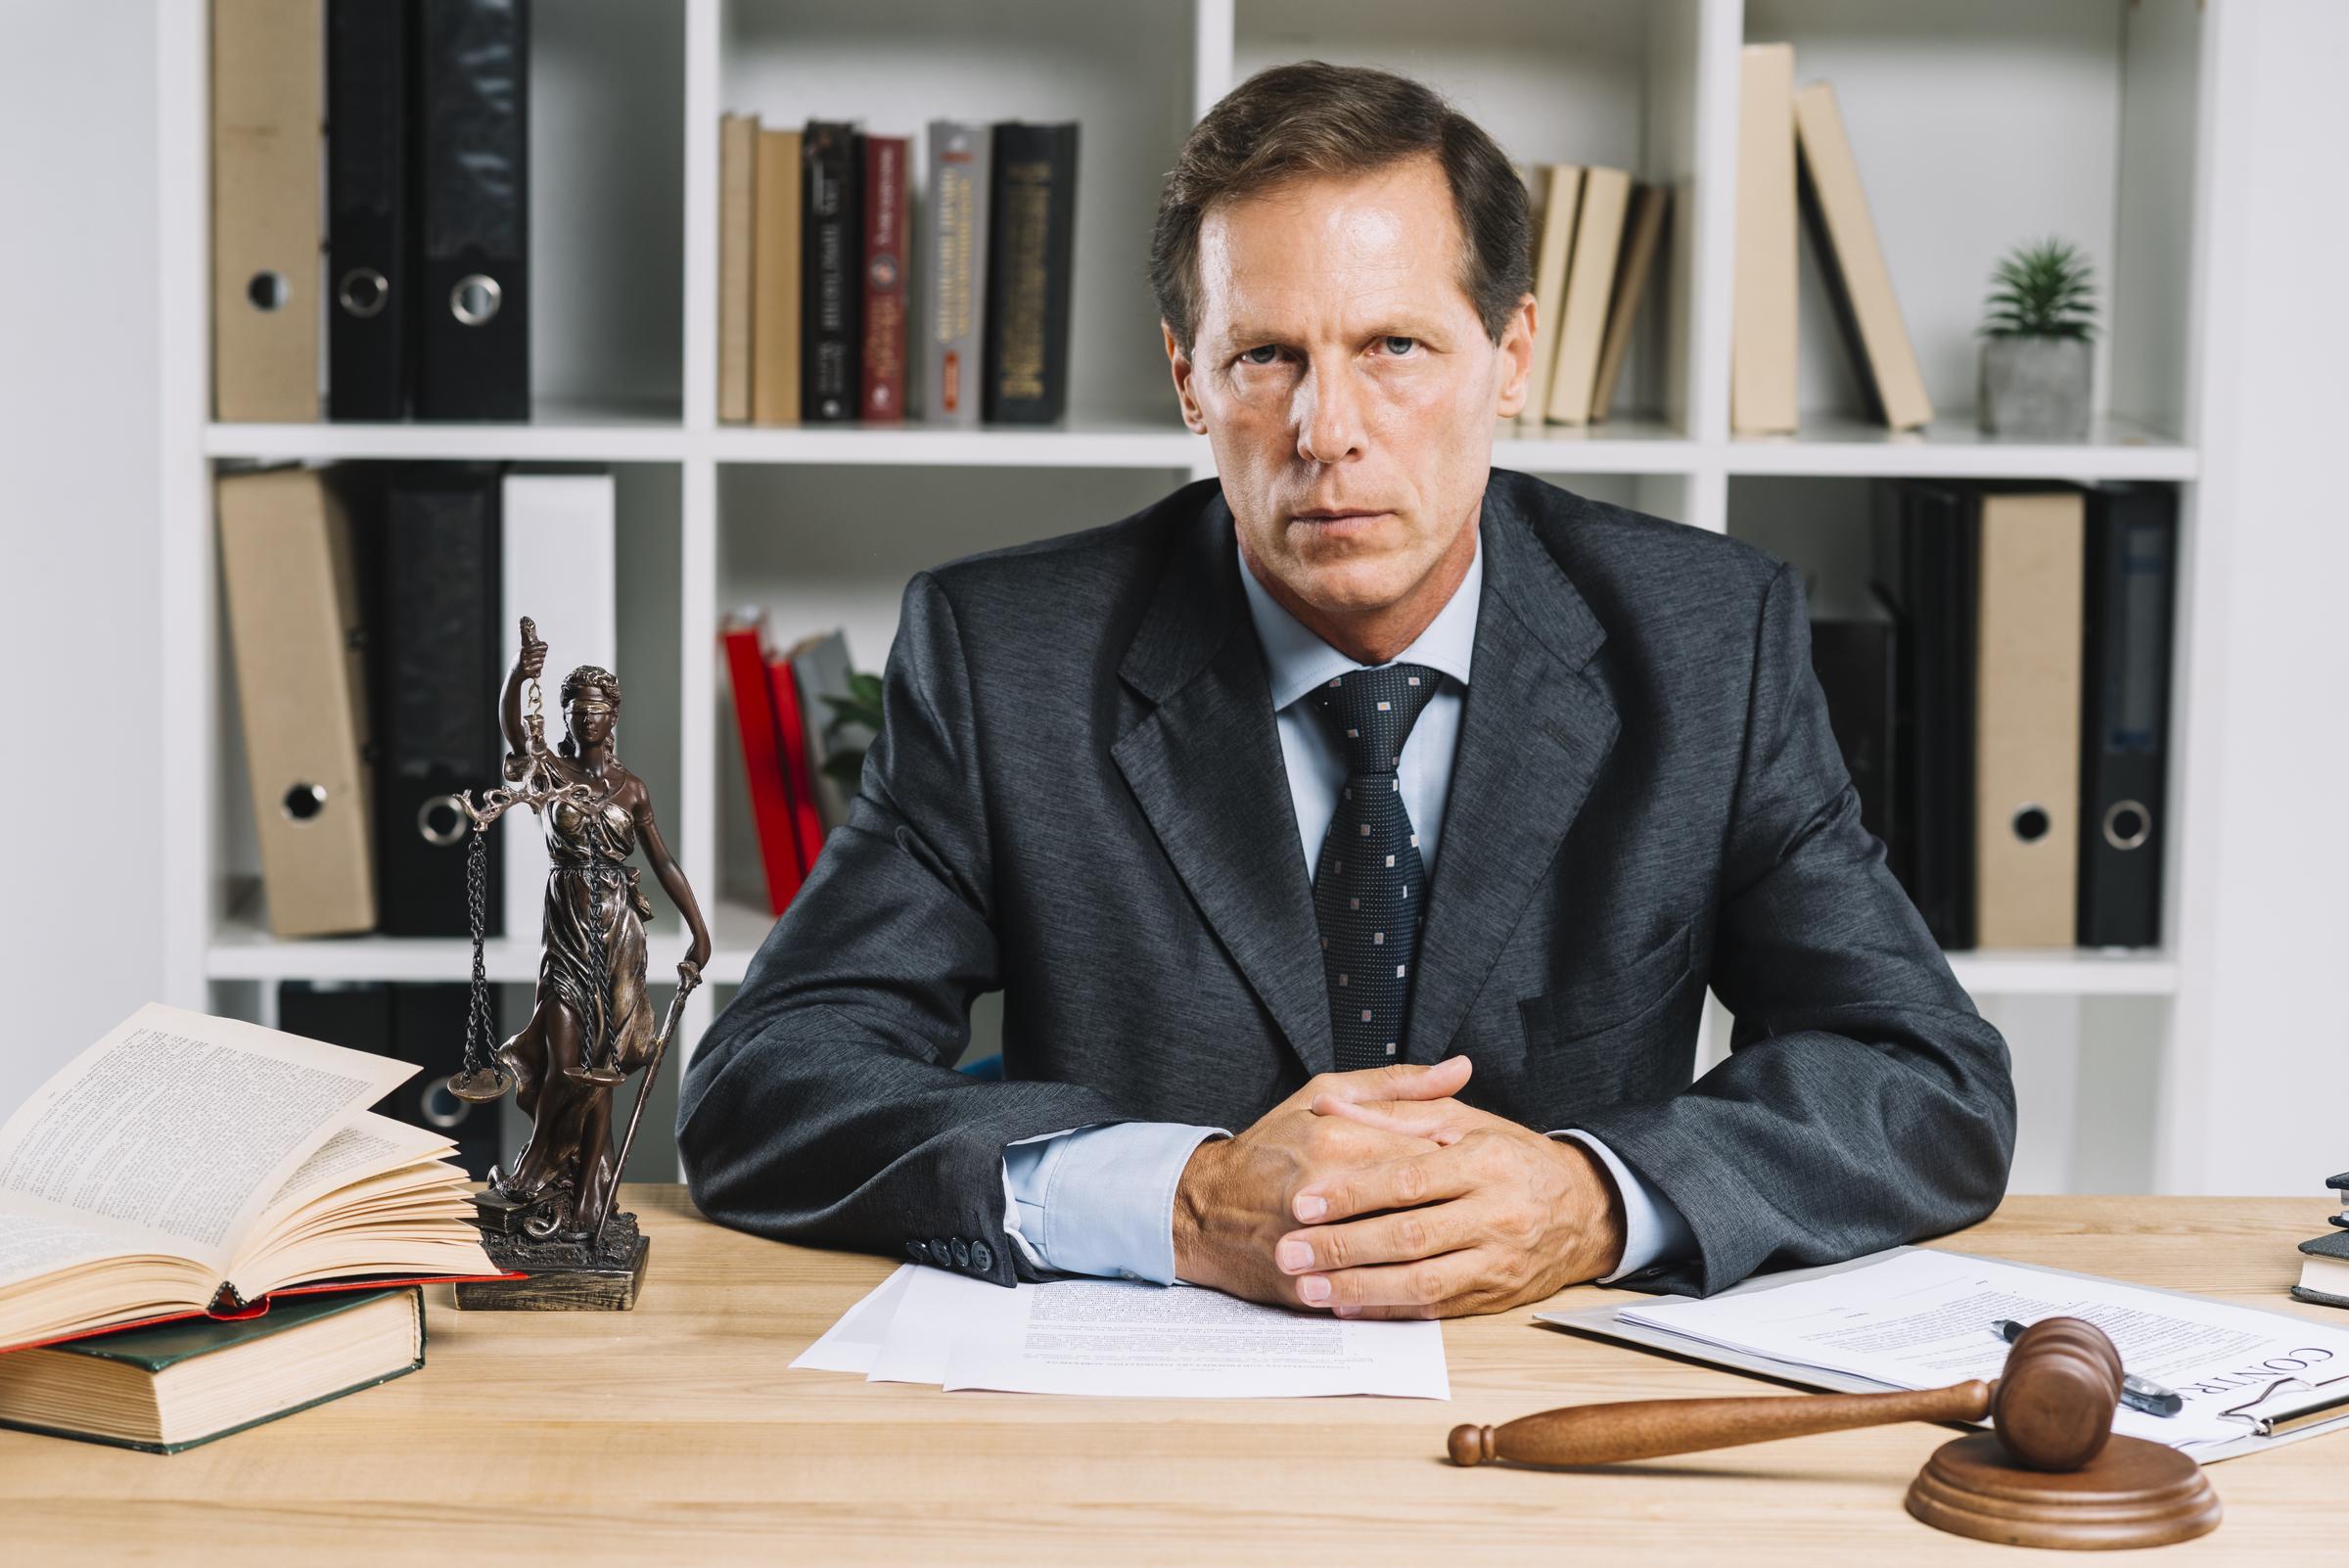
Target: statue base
[563,1274]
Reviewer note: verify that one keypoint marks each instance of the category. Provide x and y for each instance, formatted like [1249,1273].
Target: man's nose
[1329,414]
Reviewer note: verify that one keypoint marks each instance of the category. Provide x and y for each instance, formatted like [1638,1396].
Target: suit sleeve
[823,1106]
[1864,1101]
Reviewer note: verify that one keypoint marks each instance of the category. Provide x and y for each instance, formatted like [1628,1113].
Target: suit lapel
[1535,731]
[1206,767]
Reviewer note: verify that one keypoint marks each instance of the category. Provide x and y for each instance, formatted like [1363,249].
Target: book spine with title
[955,268]
[1032,225]
[886,218]
[833,293]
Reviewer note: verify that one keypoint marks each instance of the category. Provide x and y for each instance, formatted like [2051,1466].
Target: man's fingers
[1423,1283]
[1401,1237]
[1405,1081]
[1402,1183]
[1435,1120]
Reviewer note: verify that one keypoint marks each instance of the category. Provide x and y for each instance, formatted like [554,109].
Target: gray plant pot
[2036,388]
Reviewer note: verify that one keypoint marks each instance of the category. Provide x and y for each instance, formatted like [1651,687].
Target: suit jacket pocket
[1602,1002]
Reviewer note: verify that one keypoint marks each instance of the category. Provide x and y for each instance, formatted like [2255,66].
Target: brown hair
[1314,119]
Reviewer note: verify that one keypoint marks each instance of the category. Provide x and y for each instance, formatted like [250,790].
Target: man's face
[1341,373]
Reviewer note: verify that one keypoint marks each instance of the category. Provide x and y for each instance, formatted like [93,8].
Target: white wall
[2255,1102]
[79,945]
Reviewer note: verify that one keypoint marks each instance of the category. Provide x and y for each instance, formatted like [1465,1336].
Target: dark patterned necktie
[1369,883]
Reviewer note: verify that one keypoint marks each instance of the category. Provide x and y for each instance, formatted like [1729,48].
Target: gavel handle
[1641,1429]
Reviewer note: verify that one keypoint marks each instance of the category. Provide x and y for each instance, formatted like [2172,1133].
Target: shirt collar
[1297,660]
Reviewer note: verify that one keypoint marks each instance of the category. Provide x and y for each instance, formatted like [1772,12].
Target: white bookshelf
[1976,124]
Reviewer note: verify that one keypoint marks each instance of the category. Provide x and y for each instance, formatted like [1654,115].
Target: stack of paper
[1914,1317]
[1119,1337]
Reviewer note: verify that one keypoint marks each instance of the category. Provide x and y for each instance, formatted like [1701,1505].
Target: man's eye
[1271,354]
[1400,345]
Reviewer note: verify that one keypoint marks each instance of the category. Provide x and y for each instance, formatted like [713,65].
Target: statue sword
[644,1092]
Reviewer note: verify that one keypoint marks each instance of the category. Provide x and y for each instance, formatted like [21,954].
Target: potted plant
[2034,361]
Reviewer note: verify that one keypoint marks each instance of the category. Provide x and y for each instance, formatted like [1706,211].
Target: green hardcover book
[171,1386]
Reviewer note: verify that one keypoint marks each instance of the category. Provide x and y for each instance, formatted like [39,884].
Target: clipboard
[2286,1411]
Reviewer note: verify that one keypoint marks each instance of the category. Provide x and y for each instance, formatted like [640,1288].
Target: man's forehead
[1376,245]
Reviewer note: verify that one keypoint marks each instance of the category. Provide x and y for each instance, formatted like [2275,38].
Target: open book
[186,1161]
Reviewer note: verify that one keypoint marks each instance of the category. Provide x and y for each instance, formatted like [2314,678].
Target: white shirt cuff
[1100,1199]
[1653,1228]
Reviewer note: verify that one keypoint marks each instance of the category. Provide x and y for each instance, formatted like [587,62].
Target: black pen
[2137,1392]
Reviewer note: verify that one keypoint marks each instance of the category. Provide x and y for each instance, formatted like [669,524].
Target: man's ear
[1179,363]
[1516,350]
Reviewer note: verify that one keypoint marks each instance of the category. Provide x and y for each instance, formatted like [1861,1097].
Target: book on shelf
[1590,280]
[829,275]
[791,733]
[1761,312]
[770,780]
[737,181]
[171,1386]
[1596,235]
[188,1165]
[1859,284]
[1031,230]
[1553,220]
[955,268]
[887,212]
[1644,237]
[831,287]
[778,229]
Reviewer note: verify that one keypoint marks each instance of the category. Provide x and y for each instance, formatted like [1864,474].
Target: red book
[887,217]
[807,823]
[763,757]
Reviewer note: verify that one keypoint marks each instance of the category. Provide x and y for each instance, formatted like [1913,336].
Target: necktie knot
[1369,713]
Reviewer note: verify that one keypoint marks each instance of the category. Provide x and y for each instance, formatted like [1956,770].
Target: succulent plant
[2041,291]
[862,706]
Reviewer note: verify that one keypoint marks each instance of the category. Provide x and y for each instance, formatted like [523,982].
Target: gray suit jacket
[1078,797]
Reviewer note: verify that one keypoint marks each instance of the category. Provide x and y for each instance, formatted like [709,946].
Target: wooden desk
[674,1433]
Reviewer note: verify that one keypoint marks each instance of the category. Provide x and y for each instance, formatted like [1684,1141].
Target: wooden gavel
[2051,1408]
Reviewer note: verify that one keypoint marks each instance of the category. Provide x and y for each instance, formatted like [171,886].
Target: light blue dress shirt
[1100,1199]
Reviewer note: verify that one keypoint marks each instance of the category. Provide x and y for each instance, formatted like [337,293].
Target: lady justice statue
[591,1024]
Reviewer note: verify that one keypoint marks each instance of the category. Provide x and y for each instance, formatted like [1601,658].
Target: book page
[177,1128]
[366,1147]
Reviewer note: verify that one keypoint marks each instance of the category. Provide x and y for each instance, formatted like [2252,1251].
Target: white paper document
[1121,1337]
[850,1344]
[1918,1318]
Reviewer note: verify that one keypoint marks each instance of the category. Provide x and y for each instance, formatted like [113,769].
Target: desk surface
[676,1434]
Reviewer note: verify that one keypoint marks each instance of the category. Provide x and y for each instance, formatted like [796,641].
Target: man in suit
[1354,836]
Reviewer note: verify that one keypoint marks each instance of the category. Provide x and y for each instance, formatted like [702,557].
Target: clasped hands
[1380,1194]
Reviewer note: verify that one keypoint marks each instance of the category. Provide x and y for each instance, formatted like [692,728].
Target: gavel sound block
[2049,1474]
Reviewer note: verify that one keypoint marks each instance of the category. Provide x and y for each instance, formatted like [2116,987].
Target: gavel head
[2052,1406]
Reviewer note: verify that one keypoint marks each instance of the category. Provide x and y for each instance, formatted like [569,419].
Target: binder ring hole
[303,802]
[440,821]
[439,1108]
[2127,824]
[2031,824]
[363,292]
[475,298]
[267,291]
